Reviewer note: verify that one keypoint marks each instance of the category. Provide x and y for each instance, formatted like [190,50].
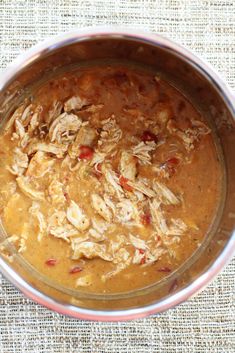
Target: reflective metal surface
[207,91]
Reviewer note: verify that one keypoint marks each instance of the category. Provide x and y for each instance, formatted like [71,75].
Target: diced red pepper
[149,136]
[75,269]
[143,260]
[66,195]
[51,262]
[173,160]
[145,219]
[171,164]
[86,152]
[164,269]
[158,238]
[124,183]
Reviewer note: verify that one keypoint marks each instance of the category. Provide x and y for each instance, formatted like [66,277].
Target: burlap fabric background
[205,323]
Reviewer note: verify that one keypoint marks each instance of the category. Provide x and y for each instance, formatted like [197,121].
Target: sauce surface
[110,179]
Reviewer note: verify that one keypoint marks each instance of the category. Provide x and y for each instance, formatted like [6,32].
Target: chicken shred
[56,192]
[164,194]
[142,151]
[91,250]
[74,103]
[128,167]
[20,163]
[101,207]
[39,165]
[76,217]
[110,135]
[64,128]
[24,184]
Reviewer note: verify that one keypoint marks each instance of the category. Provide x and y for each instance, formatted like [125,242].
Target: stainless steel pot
[211,95]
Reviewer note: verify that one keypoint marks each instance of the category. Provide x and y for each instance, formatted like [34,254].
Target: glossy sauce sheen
[142,106]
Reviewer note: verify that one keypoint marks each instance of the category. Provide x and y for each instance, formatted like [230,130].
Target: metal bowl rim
[68,38]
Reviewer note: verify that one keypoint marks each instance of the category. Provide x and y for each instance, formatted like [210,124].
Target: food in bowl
[110,178]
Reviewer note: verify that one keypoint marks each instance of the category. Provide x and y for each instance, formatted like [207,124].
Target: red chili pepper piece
[149,136]
[145,219]
[164,269]
[75,269]
[66,195]
[86,152]
[124,183]
[158,238]
[143,260]
[171,165]
[51,262]
[173,160]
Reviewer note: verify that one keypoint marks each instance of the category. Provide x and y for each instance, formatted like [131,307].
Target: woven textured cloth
[207,322]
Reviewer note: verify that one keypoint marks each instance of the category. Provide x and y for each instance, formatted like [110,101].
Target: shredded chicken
[20,162]
[23,238]
[97,159]
[109,136]
[19,128]
[99,229]
[137,242]
[22,115]
[141,186]
[24,184]
[101,207]
[16,115]
[127,211]
[164,194]
[158,218]
[142,151]
[39,165]
[64,128]
[190,135]
[57,149]
[153,255]
[54,112]
[74,103]
[91,250]
[35,211]
[122,259]
[174,227]
[77,217]
[56,192]
[34,122]
[84,281]
[177,227]
[57,218]
[128,167]
[64,232]
[85,137]
[113,181]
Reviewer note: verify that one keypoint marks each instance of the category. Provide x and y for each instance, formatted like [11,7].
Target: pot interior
[205,93]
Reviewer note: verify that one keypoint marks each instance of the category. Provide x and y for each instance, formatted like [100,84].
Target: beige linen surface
[204,324]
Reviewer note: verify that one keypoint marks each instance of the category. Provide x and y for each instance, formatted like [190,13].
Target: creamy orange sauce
[114,110]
